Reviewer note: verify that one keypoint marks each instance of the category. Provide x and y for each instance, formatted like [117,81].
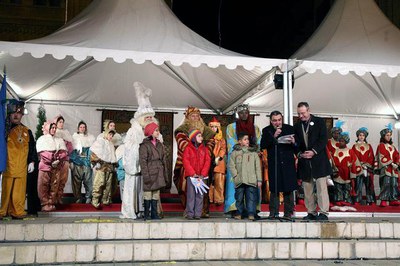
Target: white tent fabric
[349,66]
[94,60]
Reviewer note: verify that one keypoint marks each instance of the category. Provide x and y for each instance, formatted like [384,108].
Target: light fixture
[397,125]
[278,80]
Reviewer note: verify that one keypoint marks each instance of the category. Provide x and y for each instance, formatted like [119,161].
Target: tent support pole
[235,101]
[51,83]
[287,98]
[191,89]
[387,100]
[10,89]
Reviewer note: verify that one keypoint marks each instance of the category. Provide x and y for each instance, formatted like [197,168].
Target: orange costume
[217,188]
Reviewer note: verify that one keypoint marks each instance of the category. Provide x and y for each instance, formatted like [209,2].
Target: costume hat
[15,106]
[362,130]
[214,122]
[338,126]
[143,97]
[389,128]
[191,110]
[46,127]
[345,136]
[58,118]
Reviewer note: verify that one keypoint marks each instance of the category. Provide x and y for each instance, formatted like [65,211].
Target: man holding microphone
[278,139]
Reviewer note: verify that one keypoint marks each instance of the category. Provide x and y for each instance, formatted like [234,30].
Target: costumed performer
[21,160]
[53,163]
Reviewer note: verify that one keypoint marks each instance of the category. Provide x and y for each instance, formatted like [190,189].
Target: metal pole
[285,98]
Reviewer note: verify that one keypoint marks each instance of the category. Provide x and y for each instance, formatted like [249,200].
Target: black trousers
[288,204]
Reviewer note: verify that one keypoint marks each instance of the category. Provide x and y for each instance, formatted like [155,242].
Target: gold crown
[191,110]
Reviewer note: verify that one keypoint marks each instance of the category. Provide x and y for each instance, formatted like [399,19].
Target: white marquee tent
[94,60]
[349,66]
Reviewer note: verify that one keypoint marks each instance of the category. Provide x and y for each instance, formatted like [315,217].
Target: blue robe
[231,140]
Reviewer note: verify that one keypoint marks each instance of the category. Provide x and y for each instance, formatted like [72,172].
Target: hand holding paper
[287,139]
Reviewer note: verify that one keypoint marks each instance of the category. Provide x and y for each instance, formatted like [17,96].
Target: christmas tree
[41,120]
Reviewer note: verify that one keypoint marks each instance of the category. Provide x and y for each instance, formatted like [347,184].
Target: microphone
[278,131]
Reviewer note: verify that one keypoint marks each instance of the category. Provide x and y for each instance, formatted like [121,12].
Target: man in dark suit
[281,166]
[313,164]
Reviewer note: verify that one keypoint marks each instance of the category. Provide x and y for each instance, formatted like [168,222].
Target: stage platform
[176,209]
[100,238]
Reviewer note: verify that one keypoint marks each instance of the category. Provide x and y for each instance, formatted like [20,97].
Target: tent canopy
[96,57]
[349,66]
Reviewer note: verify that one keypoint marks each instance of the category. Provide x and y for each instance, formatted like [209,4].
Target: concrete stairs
[105,239]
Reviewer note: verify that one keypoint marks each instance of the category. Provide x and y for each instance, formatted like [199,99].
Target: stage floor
[176,210]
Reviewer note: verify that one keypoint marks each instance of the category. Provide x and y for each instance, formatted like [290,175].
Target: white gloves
[55,163]
[365,172]
[31,167]
[217,160]
[199,186]
[329,182]
[71,166]
[395,166]
[97,166]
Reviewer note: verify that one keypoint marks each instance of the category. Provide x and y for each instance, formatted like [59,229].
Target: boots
[154,215]
[146,209]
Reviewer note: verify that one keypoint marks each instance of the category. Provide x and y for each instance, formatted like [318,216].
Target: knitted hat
[363,130]
[149,129]
[193,133]
[386,130]
[345,136]
[190,110]
[143,97]
[15,106]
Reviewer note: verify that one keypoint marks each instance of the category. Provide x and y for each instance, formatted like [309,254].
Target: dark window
[55,3]
[40,2]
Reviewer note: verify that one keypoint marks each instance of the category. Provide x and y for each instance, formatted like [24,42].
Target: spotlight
[397,125]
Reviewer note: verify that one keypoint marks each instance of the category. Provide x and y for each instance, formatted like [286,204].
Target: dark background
[264,28]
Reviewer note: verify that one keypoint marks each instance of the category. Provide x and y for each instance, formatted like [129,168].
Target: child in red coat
[196,162]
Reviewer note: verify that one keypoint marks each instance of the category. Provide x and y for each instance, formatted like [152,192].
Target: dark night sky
[264,28]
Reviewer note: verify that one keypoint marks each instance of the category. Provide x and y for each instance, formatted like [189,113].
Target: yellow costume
[14,178]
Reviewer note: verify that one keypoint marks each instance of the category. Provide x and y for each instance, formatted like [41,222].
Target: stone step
[103,251]
[70,229]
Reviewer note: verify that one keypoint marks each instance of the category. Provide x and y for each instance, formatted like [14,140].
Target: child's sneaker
[237,217]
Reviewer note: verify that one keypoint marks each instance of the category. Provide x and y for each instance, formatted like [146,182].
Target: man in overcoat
[313,164]
[281,164]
